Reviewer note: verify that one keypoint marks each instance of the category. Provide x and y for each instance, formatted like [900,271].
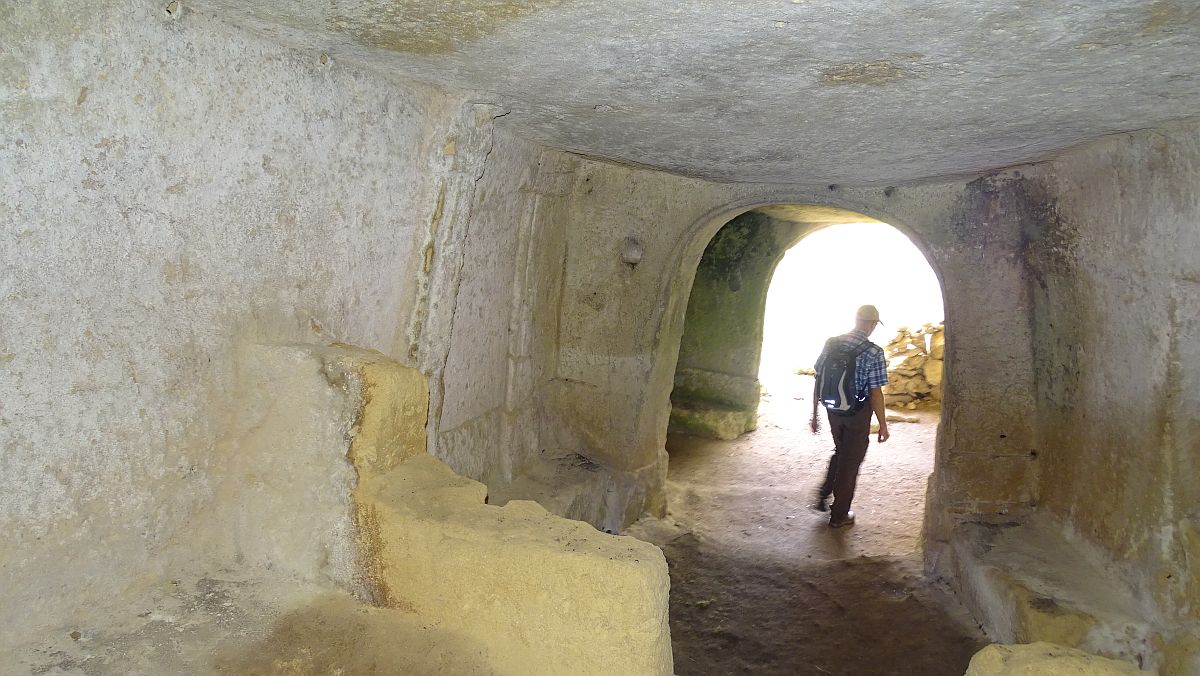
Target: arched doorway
[761,580]
[717,378]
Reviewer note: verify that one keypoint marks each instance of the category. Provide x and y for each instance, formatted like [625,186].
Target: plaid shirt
[871,369]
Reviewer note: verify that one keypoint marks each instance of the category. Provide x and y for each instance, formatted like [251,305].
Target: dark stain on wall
[874,73]
[735,246]
[1017,214]
[1022,211]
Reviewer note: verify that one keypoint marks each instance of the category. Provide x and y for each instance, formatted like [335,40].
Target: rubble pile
[915,358]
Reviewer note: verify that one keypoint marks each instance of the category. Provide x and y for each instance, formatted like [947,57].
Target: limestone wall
[175,188]
[485,411]
[1117,326]
[619,327]
[171,189]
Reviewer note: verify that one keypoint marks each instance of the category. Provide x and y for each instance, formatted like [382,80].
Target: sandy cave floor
[761,585]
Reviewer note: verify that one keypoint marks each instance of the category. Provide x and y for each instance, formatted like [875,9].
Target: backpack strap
[858,352]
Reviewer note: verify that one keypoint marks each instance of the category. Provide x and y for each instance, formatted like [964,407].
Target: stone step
[711,422]
[1027,583]
[1045,659]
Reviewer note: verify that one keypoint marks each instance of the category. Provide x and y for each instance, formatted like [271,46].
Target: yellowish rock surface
[533,592]
[543,594]
[394,403]
[1044,659]
[1045,619]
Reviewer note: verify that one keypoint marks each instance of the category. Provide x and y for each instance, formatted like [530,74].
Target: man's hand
[814,424]
[877,406]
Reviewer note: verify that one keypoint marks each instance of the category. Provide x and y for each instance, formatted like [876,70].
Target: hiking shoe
[820,505]
[848,521]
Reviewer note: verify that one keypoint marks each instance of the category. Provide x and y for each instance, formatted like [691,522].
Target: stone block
[702,386]
[293,424]
[1026,583]
[393,406]
[1044,659]
[531,592]
[711,423]
[542,594]
[1180,653]
[917,385]
[1043,618]
[933,372]
[937,345]
[577,487]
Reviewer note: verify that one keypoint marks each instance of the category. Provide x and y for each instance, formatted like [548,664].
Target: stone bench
[543,594]
[538,593]
[1045,659]
[1027,584]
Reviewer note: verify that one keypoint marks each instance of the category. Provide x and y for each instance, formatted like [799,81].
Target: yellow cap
[868,313]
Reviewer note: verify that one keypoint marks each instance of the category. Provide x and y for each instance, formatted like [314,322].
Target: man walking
[850,374]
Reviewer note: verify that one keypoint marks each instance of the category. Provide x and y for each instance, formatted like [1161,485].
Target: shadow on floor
[338,635]
[852,617]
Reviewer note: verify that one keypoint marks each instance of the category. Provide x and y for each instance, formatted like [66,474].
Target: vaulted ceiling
[845,91]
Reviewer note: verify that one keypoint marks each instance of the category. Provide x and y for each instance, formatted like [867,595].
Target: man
[850,421]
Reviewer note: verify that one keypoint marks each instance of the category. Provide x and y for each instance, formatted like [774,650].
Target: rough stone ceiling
[846,91]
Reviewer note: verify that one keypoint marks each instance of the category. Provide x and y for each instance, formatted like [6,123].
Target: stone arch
[610,395]
[695,238]
[676,289]
[716,386]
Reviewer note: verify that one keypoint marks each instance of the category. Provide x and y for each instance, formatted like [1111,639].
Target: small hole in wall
[1033,454]
[1003,436]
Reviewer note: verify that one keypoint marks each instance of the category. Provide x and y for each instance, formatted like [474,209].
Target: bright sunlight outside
[823,279]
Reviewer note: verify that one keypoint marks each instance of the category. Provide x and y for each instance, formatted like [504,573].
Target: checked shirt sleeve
[821,358]
[874,368]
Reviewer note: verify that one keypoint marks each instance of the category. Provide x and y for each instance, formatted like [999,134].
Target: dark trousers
[851,436]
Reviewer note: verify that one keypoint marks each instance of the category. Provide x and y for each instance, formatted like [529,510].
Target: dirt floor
[761,585]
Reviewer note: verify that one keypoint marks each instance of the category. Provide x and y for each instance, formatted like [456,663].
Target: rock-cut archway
[753,569]
[716,390]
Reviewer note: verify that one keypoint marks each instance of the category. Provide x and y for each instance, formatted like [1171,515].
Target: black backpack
[836,377]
